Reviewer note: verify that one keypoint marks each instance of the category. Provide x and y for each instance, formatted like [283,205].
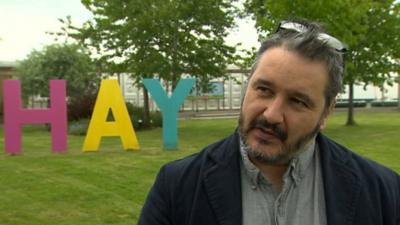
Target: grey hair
[309,45]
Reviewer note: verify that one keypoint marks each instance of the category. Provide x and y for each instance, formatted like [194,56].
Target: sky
[24,24]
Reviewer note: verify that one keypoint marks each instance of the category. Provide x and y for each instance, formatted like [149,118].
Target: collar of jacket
[222,180]
[223,183]
[341,183]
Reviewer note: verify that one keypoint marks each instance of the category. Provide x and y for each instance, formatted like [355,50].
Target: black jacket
[205,188]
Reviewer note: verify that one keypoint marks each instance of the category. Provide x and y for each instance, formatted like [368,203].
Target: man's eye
[263,89]
[300,102]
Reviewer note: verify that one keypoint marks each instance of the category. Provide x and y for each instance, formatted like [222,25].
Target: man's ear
[327,111]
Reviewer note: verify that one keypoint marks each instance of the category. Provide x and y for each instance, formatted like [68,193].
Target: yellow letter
[110,98]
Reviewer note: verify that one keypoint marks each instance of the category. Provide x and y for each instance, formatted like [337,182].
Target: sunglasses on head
[300,28]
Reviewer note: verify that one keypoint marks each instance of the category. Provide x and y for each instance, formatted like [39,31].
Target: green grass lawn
[109,187]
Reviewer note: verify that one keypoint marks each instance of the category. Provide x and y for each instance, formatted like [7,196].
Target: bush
[81,107]
[384,103]
[78,127]
[345,104]
[156,119]
[137,114]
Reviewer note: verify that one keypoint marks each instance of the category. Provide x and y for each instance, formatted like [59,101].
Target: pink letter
[15,116]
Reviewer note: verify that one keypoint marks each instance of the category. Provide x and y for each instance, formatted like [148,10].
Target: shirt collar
[296,170]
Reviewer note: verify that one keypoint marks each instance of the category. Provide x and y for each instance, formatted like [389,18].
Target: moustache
[262,123]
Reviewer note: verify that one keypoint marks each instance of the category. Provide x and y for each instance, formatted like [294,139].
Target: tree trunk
[174,81]
[166,86]
[146,108]
[119,78]
[350,110]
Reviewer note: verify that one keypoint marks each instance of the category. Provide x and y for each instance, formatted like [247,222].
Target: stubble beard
[288,150]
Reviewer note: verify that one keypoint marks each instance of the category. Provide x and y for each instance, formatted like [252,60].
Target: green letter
[169,107]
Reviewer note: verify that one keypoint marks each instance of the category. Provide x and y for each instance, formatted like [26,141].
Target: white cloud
[24,26]
[22,32]
[24,23]
[245,34]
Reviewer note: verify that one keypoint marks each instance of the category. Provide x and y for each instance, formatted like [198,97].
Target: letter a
[110,98]
[15,116]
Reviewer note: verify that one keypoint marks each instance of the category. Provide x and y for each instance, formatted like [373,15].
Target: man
[277,168]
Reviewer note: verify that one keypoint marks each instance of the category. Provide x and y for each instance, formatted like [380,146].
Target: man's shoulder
[363,167]
[181,189]
[193,163]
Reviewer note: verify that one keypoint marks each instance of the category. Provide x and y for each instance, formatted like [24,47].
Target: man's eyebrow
[262,82]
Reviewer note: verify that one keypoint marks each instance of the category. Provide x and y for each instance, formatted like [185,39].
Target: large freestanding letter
[15,116]
[169,107]
[110,98]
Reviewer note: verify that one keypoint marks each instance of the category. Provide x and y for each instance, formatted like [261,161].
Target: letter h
[15,116]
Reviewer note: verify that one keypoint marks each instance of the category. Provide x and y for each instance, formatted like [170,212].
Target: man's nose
[274,111]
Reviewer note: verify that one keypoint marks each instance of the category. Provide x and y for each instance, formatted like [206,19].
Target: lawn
[109,187]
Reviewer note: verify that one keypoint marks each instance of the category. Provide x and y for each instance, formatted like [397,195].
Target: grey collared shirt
[301,200]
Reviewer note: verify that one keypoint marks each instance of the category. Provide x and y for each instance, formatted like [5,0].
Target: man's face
[284,106]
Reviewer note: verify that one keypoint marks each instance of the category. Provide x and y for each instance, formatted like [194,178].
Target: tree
[69,62]
[163,39]
[369,27]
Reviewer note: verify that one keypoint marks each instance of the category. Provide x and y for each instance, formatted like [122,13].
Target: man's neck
[274,173]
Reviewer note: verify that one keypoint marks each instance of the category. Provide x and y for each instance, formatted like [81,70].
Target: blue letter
[169,107]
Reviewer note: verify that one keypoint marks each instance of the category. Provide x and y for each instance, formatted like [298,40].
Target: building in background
[226,94]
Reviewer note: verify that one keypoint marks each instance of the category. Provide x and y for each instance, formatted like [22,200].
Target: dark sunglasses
[300,28]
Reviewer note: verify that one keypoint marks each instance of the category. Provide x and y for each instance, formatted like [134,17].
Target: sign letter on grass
[110,98]
[15,116]
[169,106]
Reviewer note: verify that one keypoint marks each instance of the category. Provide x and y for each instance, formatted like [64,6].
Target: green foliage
[137,117]
[81,106]
[384,103]
[160,38]
[78,127]
[67,61]
[370,28]
[345,104]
